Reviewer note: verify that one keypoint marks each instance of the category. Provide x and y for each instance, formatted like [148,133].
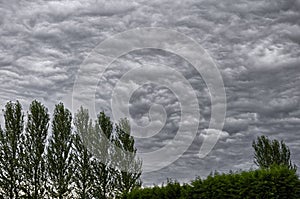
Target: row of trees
[275,178]
[77,159]
[276,182]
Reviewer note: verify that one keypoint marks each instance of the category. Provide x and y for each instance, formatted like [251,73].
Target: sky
[255,45]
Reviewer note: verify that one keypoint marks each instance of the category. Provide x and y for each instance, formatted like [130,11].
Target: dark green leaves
[274,183]
[271,152]
[60,154]
[83,176]
[33,154]
[10,150]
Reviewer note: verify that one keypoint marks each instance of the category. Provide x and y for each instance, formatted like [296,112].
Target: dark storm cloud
[255,44]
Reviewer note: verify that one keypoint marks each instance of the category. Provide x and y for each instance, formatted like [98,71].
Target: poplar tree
[128,177]
[102,149]
[60,155]
[83,177]
[10,148]
[33,161]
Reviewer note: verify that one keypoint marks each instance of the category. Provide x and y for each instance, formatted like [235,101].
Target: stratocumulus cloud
[255,45]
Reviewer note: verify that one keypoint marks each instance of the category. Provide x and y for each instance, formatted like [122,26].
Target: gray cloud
[255,44]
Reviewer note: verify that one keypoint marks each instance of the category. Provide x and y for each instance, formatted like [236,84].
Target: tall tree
[33,161]
[60,155]
[83,177]
[128,176]
[102,148]
[271,152]
[10,147]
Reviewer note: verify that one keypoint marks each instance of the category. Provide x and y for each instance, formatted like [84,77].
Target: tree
[33,162]
[10,149]
[60,155]
[97,160]
[271,152]
[128,177]
[83,176]
[102,149]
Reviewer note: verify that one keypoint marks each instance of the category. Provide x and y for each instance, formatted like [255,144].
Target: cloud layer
[255,45]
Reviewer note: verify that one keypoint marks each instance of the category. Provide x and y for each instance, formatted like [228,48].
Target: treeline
[276,178]
[275,182]
[75,158]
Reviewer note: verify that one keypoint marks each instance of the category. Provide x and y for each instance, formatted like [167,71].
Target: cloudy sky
[255,45]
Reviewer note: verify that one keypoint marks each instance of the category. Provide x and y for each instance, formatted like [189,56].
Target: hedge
[275,182]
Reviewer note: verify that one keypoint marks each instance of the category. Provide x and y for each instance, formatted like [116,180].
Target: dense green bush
[275,182]
[169,191]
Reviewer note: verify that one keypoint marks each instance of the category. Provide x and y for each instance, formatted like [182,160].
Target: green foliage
[96,157]
[271,152]
[172,190]
[60,155]
[275,182]
[90,163]
[83,164]
[102,149]
[129,177]
[10,150]
[83,176]
[33,161]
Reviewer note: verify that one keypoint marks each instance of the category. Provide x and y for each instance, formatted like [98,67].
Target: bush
[275,182]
